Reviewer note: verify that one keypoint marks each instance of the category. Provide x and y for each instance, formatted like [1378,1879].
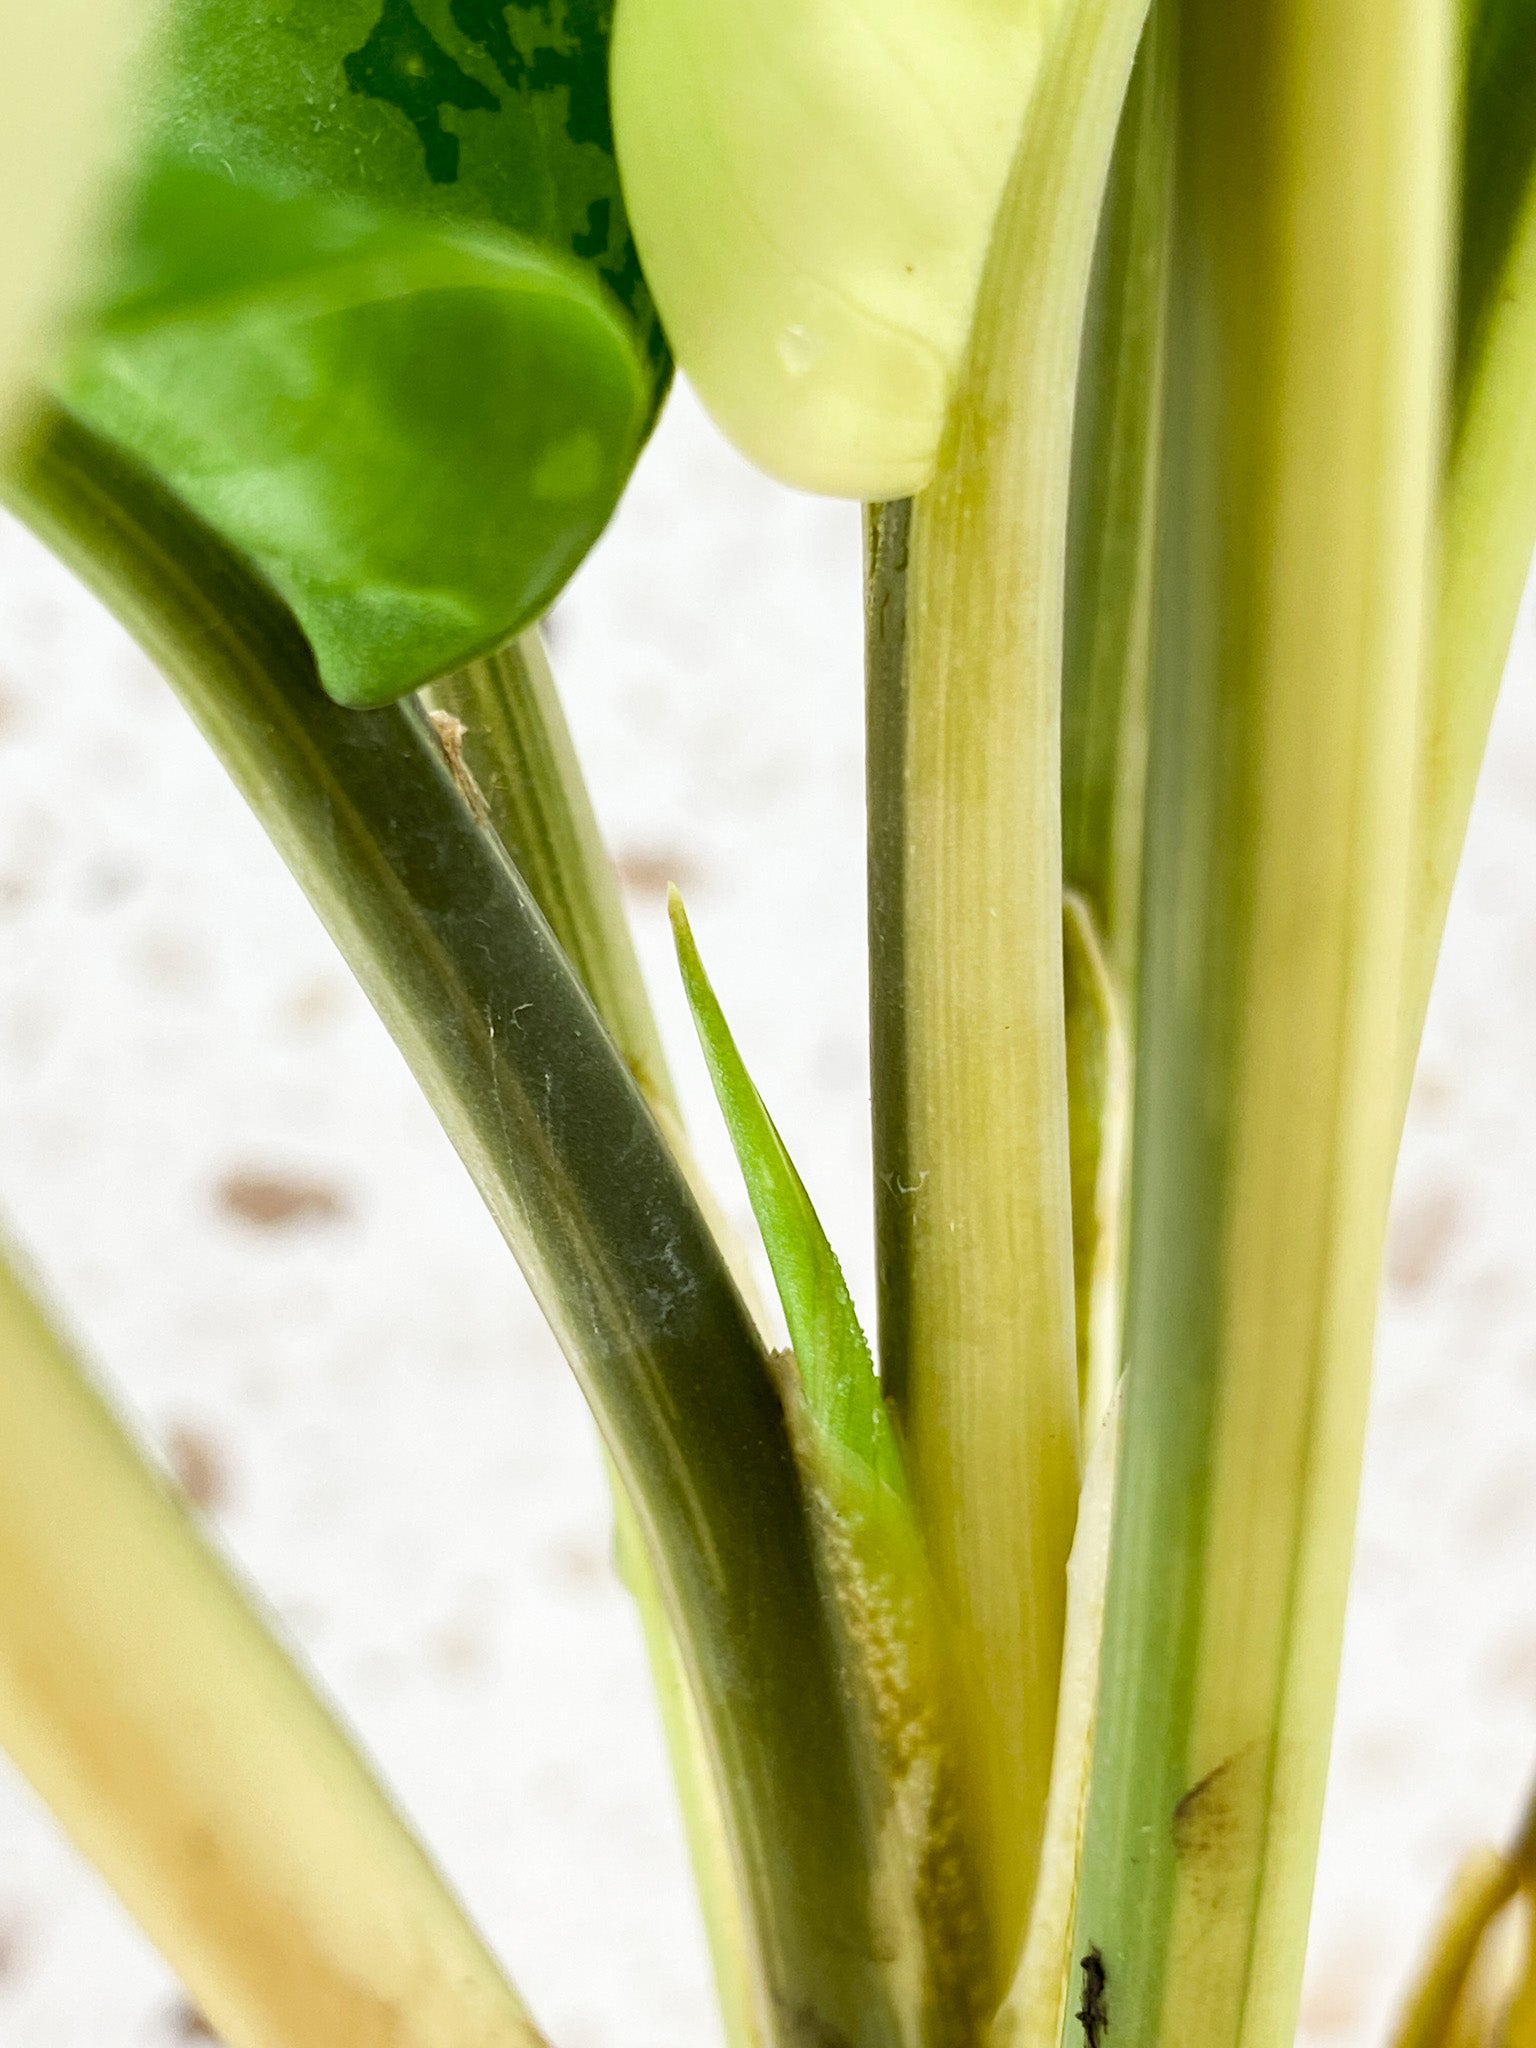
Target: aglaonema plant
[1185,362]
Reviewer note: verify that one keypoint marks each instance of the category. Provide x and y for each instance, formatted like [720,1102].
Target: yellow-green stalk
[974,1199]
[1306,368]
[1483,1887]
[189,1759]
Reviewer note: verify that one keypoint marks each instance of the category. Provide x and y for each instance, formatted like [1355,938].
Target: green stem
[1482,1888]
[448,944]
[973,1182]
[509,743]
[1113,519]
[517,748]
[887,559]
[1488,495]
[1307,307]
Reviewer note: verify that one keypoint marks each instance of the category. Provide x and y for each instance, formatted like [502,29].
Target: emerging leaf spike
[837,1371]
[874,1567]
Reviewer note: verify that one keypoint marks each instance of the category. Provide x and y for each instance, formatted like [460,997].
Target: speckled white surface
[395,1451]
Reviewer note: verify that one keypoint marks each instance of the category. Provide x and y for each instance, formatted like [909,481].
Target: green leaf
[837,1372]
[374,313]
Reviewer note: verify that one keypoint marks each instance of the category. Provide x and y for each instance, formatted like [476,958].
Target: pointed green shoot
[837,1370]
[873,1567]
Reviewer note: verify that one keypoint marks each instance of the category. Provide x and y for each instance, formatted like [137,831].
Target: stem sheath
[1305,376]
[973,1184]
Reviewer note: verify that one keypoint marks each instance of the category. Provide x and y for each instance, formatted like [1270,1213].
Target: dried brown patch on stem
[451,733]
[1216,1825]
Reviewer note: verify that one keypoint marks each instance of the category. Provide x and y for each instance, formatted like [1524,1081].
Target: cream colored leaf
[811,185]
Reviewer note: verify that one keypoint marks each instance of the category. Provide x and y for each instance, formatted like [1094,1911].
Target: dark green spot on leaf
[592,241]
[403,64]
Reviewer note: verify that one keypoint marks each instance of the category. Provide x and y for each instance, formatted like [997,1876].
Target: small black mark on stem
[1093,2013]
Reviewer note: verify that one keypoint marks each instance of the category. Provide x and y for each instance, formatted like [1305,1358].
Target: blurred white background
[223,1170]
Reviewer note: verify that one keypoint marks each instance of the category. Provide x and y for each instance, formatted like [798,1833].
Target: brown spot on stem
[1216,1823]
[450,737]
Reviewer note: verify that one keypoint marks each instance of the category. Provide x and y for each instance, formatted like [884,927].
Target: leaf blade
[432,360]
